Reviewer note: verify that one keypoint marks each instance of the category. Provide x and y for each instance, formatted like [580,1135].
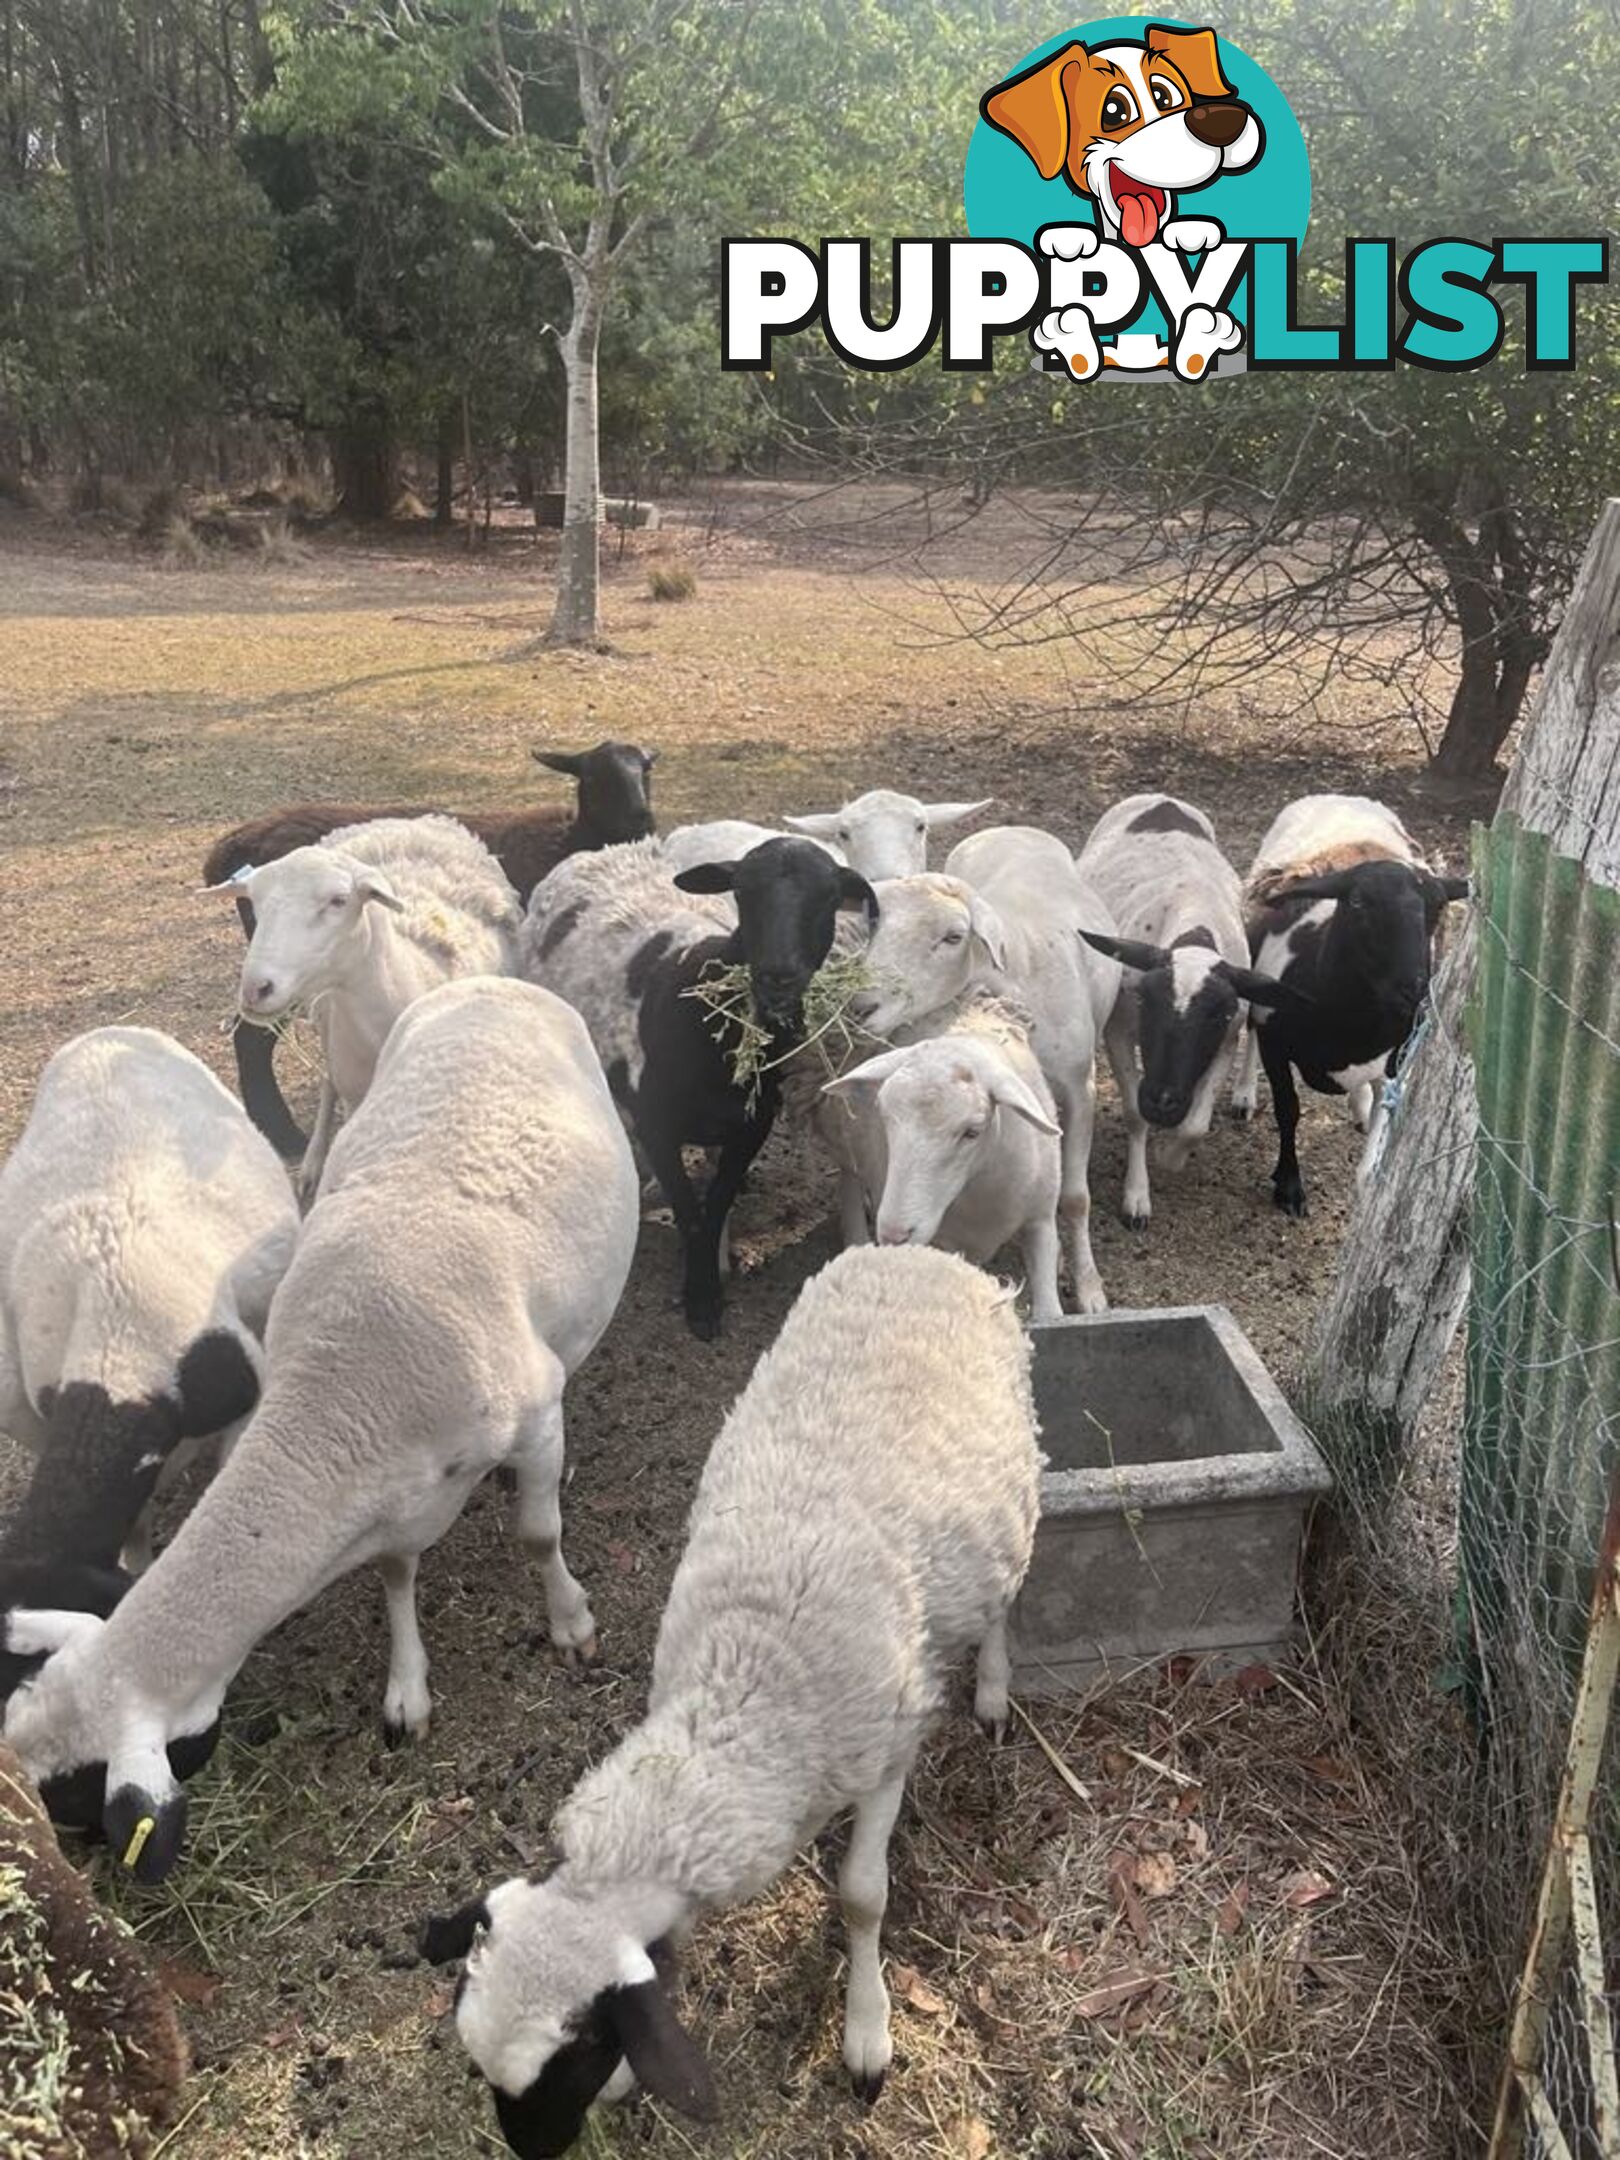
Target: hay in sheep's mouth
[830,1032]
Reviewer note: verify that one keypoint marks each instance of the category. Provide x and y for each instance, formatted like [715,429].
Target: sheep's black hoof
[396,1733]
[704,1321]
[1290,1197]
[1136,1222]
[866,2085]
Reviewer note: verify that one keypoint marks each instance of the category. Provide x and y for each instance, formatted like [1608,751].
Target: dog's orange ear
[1195,57]
[1033,109]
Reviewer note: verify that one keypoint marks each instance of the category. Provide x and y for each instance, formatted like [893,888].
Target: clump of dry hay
[279,546]
[671,580]
[830,1034]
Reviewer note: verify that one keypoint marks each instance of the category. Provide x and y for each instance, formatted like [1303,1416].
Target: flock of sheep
[513,1023]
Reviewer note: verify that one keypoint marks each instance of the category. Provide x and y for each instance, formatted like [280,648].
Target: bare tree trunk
[444,493]
[574,618]
[1489,591]
[363,465]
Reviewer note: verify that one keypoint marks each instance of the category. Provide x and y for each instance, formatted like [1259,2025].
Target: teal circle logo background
[1006,199]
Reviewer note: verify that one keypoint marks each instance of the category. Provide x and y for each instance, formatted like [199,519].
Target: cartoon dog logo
[1132,127]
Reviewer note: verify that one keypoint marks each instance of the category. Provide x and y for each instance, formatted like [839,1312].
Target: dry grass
[672,581]
[140,713]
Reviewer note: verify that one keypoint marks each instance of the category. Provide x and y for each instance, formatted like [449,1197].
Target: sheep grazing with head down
[627,945]
[357,928]
[952,1140]
[1006,917]
[613,803]
[468,1249]
[1178,906]
[864,1519]
[883,834]
[1342,910]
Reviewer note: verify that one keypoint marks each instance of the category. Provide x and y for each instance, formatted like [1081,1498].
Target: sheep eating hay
[865,1517]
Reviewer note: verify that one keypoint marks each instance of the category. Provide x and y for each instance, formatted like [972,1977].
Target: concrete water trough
[1174,1501]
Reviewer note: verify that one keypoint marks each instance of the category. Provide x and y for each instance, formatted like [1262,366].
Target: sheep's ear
[1452,888]
[662,2053]
[232,886]
[144,1832]
[446,1936]
[853,891]
[987,927]
[649,758]
[1331,885]
[571,762]
[872,1073]
[821,825]
[708,877]
[952,813]
[1130,952]
[372,885]
[1264,989]
[1016,1095]
[38,1631]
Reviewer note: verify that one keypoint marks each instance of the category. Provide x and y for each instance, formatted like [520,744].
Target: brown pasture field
[1180,1921]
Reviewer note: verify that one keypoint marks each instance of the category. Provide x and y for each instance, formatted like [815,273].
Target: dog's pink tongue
[1138,220]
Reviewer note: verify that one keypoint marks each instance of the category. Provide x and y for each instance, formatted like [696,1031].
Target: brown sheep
[95,2057]
[613,803]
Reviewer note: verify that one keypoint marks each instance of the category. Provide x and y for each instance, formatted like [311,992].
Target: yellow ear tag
[138,1837]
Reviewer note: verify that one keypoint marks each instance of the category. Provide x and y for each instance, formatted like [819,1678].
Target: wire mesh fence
[1473,1490]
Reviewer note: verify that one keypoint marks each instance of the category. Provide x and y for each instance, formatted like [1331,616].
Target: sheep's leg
[1074,1204]
[1287,1186]
[538,1460]
[1375,1124]
[700,1293]
[320,1140]
[1137,1210]
[991,1694]
[1362,1099]
[407,1705]
[1246,1074]
[663,1151]
[18,1417]
[1039,1241]
[863,1891]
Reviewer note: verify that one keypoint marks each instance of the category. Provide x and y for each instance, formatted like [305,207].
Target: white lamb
[864,1518]
[953,1140]
[472,1237]
[359,926]
[1007,917]
[144,1226]
[720,840]
[884,834]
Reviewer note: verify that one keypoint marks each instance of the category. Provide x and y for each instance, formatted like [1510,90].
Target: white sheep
[144,1226]
[356,927]
[1178,907]
[884,834]
[470,1242]
[864,1518]
[1007,916]
[953,1140]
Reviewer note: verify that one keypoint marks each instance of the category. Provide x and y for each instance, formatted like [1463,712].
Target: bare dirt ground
[1193,1930]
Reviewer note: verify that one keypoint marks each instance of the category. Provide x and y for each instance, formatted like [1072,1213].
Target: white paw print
[1069,243]
[1070,332]
[1192,235]
[1202,333]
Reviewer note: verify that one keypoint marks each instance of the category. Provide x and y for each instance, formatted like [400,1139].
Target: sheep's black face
[1382,928]
[788,896]
[615,791]
[1185,1013]
[547,2118]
